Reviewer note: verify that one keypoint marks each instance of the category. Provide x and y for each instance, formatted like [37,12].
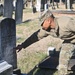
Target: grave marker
[8,41]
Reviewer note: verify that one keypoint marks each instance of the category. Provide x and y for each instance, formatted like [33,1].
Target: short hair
[46,14]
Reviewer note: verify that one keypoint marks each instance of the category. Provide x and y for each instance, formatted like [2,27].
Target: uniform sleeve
[71,25]
[36,36]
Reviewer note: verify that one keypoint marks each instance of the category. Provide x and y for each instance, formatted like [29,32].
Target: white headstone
[38,5]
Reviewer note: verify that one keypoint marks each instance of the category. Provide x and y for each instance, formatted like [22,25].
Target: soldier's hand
[18,48]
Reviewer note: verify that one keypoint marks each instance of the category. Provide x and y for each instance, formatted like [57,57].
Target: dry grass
[29,57]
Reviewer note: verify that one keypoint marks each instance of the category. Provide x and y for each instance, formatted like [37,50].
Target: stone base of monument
[5,68]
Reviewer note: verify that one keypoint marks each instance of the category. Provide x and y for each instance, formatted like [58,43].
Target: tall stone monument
[69,4]
[1,9]
[8,41]
[19,11]
[40,6]
[8,8]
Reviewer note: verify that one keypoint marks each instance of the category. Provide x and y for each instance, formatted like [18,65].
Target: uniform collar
[56,27]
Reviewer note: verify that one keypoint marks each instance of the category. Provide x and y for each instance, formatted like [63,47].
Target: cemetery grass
[29,57]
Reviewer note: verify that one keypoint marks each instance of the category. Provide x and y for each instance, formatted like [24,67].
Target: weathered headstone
[19,11]
[38,5]
[8,41]
[53,7]
[69,4]
[8,8]
[5,68]
[1,9]
[14,5]
[41,5]
[46,7]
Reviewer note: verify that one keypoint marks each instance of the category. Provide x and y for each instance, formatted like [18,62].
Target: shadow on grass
[39,71]
[48,71]
[42,71]
[27,20]
[46,66]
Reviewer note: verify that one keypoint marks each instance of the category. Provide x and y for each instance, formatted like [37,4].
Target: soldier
[63,28]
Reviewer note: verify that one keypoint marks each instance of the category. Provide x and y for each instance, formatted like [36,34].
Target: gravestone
[52,61]
[69,4]
[38,5]
[19,11]
[8,8]
[1,9]
[14,5]
[8,41]
[43,4]
[46,7]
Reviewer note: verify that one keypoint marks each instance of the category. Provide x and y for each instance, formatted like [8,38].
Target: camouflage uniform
[65,29]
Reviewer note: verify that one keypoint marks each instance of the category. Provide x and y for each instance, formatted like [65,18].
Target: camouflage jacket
[65,29]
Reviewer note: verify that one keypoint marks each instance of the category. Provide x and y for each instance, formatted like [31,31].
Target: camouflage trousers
[67,51]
